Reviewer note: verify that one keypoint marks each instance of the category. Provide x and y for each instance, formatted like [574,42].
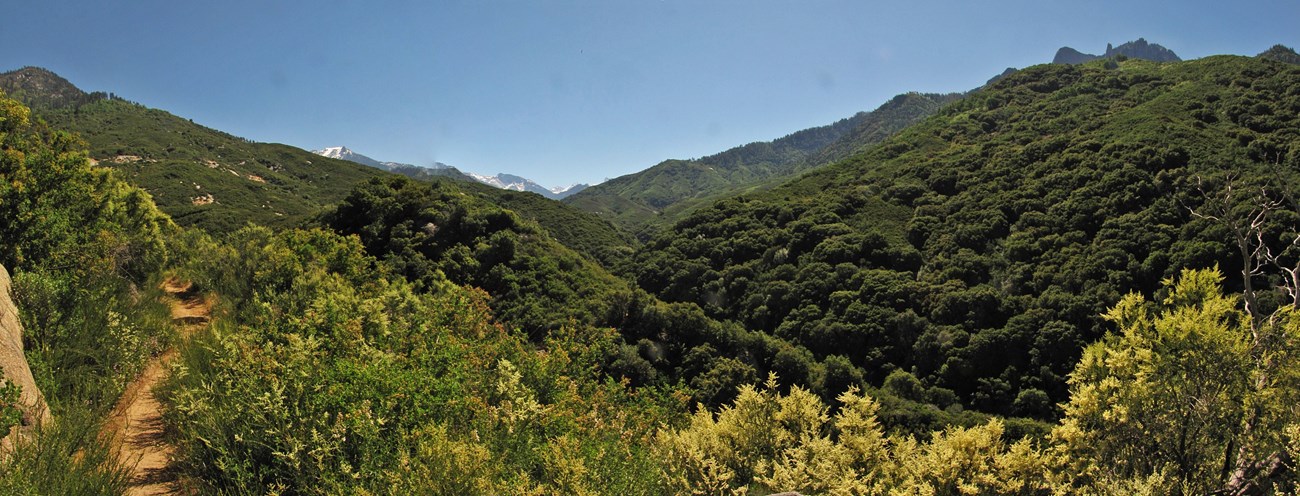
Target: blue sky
[575,91]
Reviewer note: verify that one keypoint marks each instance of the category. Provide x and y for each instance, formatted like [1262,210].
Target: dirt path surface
[135,425]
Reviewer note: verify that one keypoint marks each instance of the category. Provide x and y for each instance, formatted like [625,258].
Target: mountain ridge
[513,182]
[1137,49]
[672,187]
[500,180]
[344,153]
[198,175]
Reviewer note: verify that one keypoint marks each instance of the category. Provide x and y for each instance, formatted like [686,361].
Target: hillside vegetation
[437,234]
[199,176]
[977,251]
[84,249]
[1076,280]
[673,187]
[583,232]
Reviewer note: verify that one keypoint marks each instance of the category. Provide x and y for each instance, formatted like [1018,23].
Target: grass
[65,458]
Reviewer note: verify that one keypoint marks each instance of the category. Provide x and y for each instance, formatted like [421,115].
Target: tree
[1253,222]
[1173,391]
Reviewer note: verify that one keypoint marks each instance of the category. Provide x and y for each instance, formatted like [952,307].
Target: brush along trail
[135,426]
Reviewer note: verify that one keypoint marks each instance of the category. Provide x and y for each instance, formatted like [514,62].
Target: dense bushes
[328,375]
[436,235]
[85,250]
[1168,405]
[978,249]
[431,233]
[83,246]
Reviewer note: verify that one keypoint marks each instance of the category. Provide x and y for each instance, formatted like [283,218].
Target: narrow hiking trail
[135,425]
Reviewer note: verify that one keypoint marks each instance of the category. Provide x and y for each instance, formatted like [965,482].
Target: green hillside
[978,249]
[1108,249]
[1281,53]
[199,176]
[433,234]
[673,187]
[583,232]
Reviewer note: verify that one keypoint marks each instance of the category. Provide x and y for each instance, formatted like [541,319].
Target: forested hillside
[1075,280]
[978,250]
[583,232]
[435,234]
[673,187]
[199,176]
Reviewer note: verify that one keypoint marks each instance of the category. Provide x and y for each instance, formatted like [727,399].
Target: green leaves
[1172,391]
[10,414]
[1015,216]
[766,441]
[333,375]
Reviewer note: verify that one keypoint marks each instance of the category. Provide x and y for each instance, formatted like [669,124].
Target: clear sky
[575,91]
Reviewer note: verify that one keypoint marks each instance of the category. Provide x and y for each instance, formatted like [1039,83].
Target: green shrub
[325,376]
[66,458]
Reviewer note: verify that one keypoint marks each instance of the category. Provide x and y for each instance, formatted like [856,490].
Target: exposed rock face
[1067,55]
[1139,49]
[31,402]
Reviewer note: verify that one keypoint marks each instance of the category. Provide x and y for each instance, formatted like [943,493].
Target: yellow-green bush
[1165,406]
[770,442]
[325,376]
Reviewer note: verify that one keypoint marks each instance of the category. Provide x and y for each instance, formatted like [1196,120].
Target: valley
[1075,279]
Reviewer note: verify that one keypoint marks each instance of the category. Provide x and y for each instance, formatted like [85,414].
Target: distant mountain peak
[1281,53]
[501,180]
[1137,49]
[41,87]
[518,183]
[333,151]
[343,153]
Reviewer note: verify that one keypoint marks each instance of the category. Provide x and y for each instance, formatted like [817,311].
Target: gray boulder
[15,370]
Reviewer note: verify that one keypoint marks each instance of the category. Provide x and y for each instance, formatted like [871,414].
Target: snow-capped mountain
[501,180]
[343,153]
[517,183]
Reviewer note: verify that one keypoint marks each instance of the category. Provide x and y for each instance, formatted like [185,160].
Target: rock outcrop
[14,363]
[1139,49]
[1067,55]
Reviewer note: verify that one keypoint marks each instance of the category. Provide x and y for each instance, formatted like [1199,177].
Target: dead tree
[1247,216]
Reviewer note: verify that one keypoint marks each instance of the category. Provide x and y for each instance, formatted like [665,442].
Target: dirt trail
[135,425]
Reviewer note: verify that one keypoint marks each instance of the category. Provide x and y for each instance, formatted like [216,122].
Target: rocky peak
[1139,49]
[40,87]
